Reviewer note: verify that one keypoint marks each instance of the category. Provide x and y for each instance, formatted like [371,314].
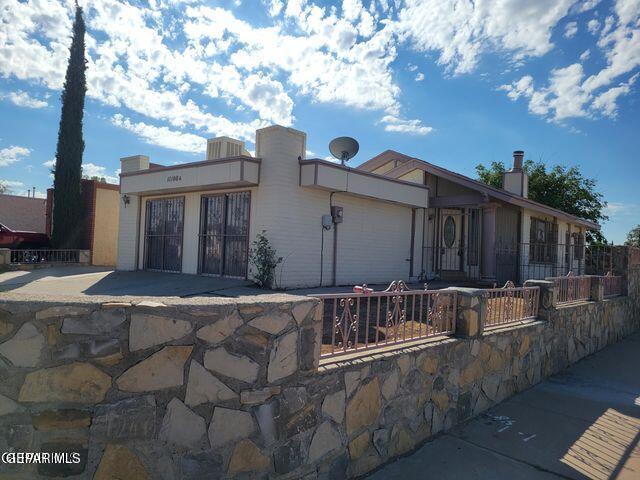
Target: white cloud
[162,136]
[11,184]
[275,7]
[585,5]
[419,77]
[570,30]
[571,94]
[585,55]
[23,99]
[394,124]
[593,26]
[50,163]
[461,30]
[561,99]
[91,170]
[620,209]
[606,102]
[187,63]
[12,154]
[522,87]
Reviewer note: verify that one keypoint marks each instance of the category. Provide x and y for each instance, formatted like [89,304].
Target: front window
[543,241]
[578,241]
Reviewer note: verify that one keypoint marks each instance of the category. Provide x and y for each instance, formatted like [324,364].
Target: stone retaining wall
[235,391]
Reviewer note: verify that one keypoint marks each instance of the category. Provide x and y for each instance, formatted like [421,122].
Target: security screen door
[450,251]
[163,234]
[224,234]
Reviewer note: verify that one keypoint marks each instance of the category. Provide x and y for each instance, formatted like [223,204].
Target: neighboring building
[23,213]
[100,224]
[333,225]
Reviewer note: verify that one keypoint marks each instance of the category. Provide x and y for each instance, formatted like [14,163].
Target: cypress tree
[67,205]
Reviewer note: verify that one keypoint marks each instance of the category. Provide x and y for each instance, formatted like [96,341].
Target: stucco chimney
[516,181]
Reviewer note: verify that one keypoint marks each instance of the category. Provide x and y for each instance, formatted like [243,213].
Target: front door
[451,233]
[163,234]
[224,234]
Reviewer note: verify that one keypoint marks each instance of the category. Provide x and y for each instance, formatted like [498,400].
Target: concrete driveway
[81,281]
[582,423]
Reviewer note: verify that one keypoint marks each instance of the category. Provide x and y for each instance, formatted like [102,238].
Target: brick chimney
[516,181]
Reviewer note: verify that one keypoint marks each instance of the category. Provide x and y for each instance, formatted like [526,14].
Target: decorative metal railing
[366,320]
[45,256]
[511,304]
[612,285]
[572,288]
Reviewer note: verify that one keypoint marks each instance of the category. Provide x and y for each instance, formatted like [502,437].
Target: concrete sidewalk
[582,423]
[91,281]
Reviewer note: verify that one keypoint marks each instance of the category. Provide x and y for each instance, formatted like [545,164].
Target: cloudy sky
[454,82]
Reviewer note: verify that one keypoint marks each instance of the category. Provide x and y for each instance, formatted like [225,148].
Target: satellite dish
[344,148]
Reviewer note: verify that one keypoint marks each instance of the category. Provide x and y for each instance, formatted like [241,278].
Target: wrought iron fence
[572,288]
[537,261]
[44,256]
[612,285]
[511,304]
[599,259]
[365,320]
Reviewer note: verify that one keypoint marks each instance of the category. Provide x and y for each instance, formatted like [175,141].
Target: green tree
[67,206]
[3,188]
[564,188]
[633,237]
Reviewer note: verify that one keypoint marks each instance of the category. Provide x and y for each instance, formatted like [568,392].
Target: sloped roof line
[463,180]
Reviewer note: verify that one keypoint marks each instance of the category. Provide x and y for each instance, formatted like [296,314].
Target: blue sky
[453,82]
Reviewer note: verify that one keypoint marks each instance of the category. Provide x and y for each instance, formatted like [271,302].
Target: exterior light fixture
[126,200]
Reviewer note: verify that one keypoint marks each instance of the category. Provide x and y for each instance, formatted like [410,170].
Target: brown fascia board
[108,186]
[200,163]
[344,168]
[416,163]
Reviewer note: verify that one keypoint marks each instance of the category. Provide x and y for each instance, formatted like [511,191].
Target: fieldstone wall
[236,391]
[149,390]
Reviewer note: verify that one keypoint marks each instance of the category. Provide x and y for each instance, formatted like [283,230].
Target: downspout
[413,236]
[424,226]
[335,235]
[335,245]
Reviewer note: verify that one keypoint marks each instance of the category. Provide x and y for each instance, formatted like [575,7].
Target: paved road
[582,423]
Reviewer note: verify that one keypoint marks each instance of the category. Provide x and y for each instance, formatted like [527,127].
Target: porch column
[489,241]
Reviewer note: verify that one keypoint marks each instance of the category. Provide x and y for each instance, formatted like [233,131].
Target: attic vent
[223,147]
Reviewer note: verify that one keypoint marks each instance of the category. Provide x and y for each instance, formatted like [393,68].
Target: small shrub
[263,256]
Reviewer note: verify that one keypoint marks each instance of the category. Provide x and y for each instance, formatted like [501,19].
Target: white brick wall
[128,234]
[373,241]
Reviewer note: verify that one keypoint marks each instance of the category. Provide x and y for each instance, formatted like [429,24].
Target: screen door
[224,234]
[163,234]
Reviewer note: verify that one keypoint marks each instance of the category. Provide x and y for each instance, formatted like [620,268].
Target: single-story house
[331,224]
[474,231]
[26,214]
[99,227]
